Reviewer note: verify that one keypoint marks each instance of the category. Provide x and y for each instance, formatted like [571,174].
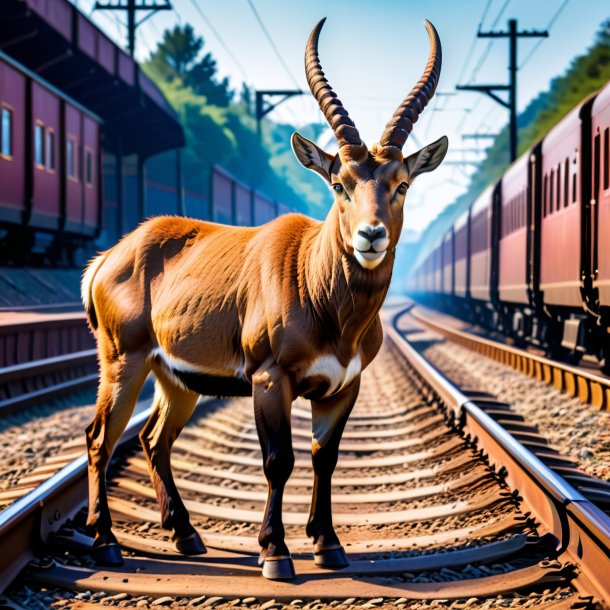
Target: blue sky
[374,51]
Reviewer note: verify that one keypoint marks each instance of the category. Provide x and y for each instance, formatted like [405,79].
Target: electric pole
[512,34]
[265,106]
[131,7]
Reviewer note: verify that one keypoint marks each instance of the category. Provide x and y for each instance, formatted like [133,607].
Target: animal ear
[428,158]
[311,156]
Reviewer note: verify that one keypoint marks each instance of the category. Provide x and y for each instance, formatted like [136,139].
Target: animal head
[370,185]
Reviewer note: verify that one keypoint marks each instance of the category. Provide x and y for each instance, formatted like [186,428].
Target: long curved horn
[398,129]
[343,127]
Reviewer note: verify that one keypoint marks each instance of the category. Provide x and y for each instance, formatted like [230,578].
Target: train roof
[518,166]
[483,201]
[54,90]
[461,220]
[602,100]
[55,41]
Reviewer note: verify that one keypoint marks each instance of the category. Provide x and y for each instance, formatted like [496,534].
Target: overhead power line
[474,42]
[220,39]
[272,43]
[132,7]
[487,49]
[441,102]
[513,34]
[548,27]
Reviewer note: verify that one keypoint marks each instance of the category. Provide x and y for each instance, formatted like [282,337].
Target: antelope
[275,312]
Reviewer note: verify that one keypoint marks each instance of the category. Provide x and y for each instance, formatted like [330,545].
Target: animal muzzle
[370,244]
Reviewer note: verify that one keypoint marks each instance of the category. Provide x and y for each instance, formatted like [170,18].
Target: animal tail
[86,287]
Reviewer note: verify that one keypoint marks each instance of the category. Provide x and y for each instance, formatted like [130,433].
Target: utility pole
[512,34]
[265,106]
[131,7]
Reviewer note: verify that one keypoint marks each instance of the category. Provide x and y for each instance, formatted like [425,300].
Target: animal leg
[172,408]
[328,422]
[273,396]
[121,380]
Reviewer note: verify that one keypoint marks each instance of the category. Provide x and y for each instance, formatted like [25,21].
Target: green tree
[177,53]
[178,57]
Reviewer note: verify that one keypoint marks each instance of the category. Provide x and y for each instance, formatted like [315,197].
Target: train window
[558,203]
[545,185]
[566,183]
[520,200]
[39,145]
[6,133]
[606,158]
[71,159]
[50,148]
[513,221]
[551,191]
[89,168]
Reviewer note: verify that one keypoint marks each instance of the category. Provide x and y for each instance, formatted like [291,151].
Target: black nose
[373,234]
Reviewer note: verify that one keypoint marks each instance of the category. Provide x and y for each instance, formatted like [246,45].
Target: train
[49,161]
[89,146]
[530,257]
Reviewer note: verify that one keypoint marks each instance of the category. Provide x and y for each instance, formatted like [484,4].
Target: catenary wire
[548,28]
[220,39]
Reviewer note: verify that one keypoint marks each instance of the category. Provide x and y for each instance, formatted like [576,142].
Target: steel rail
[56,365]
[581,529]
[27,523]
[589,387]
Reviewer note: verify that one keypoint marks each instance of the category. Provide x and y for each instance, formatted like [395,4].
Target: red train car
[49,159]
[12,143]
[480,246]
[447,264]
[538,259]
[512,276]
[600,185]
[461,246]
[560,229]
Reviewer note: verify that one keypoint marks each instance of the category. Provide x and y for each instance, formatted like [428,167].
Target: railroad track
[43,356]
[438,495]
[588,386]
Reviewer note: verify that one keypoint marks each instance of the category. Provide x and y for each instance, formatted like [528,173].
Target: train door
[586,159]
[594,206]
[534,218]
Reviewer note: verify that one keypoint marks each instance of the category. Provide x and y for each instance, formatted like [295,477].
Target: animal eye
[338,187]
[402,188]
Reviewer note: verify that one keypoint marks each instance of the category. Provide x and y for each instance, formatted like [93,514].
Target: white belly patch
[338,375]
[177,364]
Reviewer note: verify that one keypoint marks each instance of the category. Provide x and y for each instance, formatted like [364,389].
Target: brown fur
[289,309]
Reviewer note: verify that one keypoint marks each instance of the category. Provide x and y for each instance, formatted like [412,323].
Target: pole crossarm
[513,34]
[521,34]
[131,7]
[489,90]
[264,105]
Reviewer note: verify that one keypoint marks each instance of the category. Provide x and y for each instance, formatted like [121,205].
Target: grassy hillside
[585,74]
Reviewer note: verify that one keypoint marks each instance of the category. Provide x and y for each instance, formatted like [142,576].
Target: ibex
[278,311]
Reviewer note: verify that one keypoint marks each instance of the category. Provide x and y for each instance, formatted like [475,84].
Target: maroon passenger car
[49,158]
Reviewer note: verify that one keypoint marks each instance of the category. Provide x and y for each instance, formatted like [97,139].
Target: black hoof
[107,554]
[279,568]
[193,545]
[333,558]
